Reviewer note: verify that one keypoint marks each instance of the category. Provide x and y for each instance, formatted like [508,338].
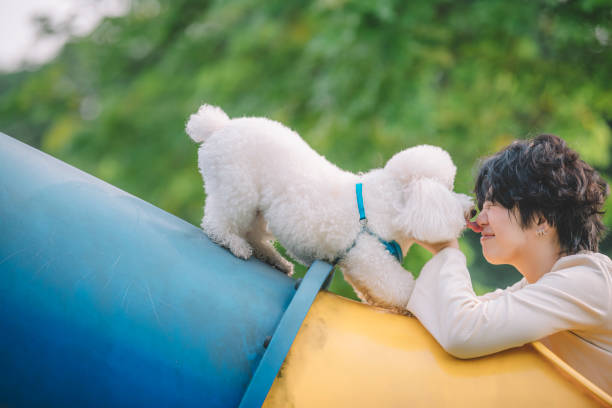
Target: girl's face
[502,238]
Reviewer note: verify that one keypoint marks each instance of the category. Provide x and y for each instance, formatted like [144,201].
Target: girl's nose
[482,218]
[477,224]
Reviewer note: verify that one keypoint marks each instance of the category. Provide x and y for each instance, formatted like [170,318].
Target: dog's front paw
[286,267]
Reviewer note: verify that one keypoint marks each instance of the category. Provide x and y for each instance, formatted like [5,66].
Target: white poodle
[263,182]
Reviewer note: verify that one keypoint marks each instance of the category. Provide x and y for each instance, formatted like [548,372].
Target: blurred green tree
[359,80]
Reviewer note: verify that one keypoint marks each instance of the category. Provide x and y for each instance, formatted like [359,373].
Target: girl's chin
[493,258]
[489,255]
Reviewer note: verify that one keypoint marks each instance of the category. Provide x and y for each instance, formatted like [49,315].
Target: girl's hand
[434,248]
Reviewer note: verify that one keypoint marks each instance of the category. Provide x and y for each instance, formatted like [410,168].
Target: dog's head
[429,210]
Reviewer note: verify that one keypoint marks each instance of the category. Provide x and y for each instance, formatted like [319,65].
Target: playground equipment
[106,300]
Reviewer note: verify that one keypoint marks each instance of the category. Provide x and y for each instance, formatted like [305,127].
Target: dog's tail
[205,122]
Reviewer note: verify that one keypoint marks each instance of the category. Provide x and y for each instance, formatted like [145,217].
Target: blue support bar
[284,335]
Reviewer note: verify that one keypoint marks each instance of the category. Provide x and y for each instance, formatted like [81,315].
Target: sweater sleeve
[469,326]
[500,292]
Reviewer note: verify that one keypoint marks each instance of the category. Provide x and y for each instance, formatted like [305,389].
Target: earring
[541,232]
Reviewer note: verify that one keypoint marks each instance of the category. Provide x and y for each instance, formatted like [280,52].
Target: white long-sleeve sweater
[569,309]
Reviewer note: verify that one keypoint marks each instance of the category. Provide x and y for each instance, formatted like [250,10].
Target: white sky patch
[602,35]
[19,42]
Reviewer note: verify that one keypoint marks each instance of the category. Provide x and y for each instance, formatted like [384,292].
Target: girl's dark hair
[543,177]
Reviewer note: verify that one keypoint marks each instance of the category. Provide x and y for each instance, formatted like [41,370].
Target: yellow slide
[348,354]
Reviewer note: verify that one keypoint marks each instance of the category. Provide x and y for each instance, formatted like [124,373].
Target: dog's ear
[422,161]
[430,212]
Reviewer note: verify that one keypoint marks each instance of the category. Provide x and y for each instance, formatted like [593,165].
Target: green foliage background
[359,80]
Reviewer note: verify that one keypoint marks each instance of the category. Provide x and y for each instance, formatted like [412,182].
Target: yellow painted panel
[348,354]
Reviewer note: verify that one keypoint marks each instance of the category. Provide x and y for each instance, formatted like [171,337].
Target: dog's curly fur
[263,181]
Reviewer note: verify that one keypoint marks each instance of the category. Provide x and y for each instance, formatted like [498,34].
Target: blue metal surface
[106,300]
[284,335]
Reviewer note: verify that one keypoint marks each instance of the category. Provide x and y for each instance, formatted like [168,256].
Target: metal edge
[574,375]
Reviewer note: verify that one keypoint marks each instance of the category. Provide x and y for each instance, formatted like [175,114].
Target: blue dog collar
[359,191]
[392,246]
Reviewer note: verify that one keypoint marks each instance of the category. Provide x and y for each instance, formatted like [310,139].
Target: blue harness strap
[359,191]
[392,246]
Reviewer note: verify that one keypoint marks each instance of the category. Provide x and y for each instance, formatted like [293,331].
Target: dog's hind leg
[228,228]
[261,240]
